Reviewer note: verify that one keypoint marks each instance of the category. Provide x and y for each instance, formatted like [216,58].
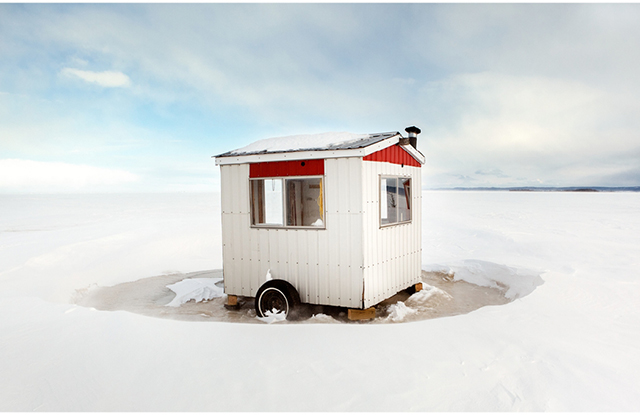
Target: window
[395,200]
[266,202]
[295,202]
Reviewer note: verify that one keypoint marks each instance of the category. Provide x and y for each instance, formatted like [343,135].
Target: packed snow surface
[84,324]
[300,142]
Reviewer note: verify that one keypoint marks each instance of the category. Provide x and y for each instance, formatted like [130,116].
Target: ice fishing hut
[330,219]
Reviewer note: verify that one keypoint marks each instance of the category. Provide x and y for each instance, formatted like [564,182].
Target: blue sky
[119,97]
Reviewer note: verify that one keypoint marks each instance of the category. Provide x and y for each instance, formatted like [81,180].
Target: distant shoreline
[580,189]
[544,189]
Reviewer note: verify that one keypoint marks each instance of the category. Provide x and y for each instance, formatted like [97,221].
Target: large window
[395,200]
[295,202]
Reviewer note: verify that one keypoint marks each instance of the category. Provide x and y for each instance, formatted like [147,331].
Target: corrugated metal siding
[314,167]
[394,154]
[392,254]
[235,215]
[325,266]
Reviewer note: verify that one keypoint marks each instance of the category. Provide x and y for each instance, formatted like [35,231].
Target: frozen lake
[566,342]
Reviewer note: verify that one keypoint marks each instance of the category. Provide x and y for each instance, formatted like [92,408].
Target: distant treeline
[545,189]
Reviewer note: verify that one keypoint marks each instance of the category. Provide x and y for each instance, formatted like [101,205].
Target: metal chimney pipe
[413,132]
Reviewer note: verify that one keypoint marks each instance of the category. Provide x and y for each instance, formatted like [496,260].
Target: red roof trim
[393,154]
[314,167]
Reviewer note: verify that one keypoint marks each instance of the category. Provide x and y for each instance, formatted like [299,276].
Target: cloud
[542,92]
[267,59]
[35,176]
[531,126]
[107,79]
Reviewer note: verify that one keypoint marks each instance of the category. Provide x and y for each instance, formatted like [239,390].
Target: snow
[515,283]
[272,317]
[398,311]
[421,299]
[322,318]
[567,339]
[195,289]
[300,142]
[416,304]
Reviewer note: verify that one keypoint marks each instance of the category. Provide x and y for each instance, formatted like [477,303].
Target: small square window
[304,202]
[266,202]
[395,200]
[295,202]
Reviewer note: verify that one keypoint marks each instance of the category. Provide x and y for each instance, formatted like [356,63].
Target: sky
[137,98]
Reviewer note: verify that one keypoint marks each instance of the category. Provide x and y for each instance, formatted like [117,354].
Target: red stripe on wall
[394,154]
[287,168]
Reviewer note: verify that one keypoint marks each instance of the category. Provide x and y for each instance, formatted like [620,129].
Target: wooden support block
[418,287]
[366,314]
[232,303]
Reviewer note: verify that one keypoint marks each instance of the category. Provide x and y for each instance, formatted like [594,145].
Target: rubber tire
[282,289]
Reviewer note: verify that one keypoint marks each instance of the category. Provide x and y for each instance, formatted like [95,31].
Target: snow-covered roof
[310,142]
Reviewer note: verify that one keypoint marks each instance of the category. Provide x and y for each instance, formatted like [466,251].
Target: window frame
[284,203]
[397,177]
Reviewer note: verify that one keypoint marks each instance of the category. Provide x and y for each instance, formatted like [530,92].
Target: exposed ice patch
[197,289]
[446,292]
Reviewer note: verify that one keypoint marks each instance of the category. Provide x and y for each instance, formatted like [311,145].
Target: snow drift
[515,283]
[195,289]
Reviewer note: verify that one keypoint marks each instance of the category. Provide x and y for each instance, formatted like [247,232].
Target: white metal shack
[337,215]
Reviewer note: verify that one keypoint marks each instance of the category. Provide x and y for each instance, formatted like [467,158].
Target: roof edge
[227,158]
[363,142]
